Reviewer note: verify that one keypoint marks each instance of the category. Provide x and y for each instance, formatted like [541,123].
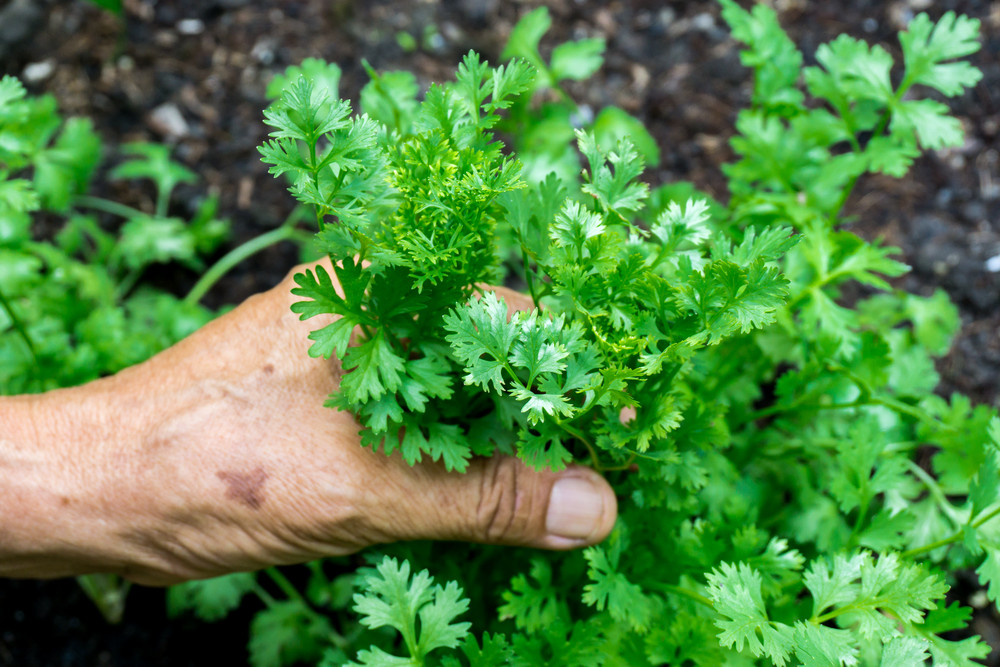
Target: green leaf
[493,652]
[927,45]
[323,75]
[525,38]
[989,573]
[153,162]
[334,338]
[609,588]
[823,646]
[11,90]
[611,174]
[613,124]
[869,590]
[985,488]
[904,652]
[148,240]
[113,6]
[392,598]
[481,330]
[317,287]
[287,632]
[772,55]
[894,154]
[391,98]
[372,369]
[577,60]
[541,446]
[930,121]
[64,170]
[210,599]
[735,590]
[967,652]
[858,71]
[532,600]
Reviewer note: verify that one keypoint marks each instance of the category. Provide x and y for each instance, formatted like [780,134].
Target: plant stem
[803,407]
[112,207]
[936,492]
[624,466]
[529,278]
[107,592]
[679,590]
[958,535]
[582,438]
[127,283]
[19,328]
[287,587]
[879,129]
[239,253]
[265,597]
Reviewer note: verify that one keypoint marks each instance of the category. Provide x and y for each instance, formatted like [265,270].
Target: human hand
[217,455]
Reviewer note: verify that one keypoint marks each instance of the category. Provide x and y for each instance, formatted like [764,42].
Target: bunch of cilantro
[792,491]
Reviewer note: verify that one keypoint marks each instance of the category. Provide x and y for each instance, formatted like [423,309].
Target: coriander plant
[791,489]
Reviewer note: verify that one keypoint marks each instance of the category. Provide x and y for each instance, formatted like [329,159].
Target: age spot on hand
[268,369]
[247,488]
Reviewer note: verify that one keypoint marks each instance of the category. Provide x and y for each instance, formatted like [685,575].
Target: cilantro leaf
[926,47]
[287,632]
[735,591]
[393,598]
[210,599]
[480,330]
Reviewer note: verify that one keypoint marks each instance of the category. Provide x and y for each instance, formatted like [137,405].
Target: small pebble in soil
[979,599]
[190,26]
[168,121]
[38,72]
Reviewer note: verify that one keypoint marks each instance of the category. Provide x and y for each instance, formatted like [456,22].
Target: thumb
[500,500]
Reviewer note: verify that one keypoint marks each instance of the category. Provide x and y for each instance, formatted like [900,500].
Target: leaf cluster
[778,446]
[68,310]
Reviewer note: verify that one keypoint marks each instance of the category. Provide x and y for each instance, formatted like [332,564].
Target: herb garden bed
[195,74]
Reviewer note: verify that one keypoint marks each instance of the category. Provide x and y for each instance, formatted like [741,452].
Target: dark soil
[671,64]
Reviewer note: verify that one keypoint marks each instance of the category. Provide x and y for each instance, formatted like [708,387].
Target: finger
[515,300]
[500,500]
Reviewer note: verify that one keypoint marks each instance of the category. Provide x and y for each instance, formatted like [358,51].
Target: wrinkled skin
[217,455]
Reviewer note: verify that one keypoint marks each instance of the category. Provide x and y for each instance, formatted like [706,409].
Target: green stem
[162,202]
[680,590]
[20,329]
[582,438]
[624,466]
[238,254]
[107,592]
[879,129]
[265,597]
[935,491]
[958,535]
[112,207]
[529,278]
[287,587]
[862,513]
[127,283]
[802,407]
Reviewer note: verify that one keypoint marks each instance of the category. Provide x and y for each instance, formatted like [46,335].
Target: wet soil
[193,73]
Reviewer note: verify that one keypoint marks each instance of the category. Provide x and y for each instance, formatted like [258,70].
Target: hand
[217,455]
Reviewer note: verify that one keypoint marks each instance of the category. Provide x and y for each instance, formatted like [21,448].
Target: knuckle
[504,503]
